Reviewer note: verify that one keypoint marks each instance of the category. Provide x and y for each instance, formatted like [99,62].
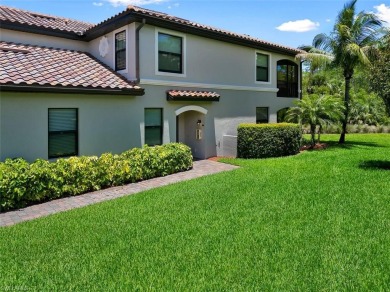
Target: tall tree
[350,44]
[380,72]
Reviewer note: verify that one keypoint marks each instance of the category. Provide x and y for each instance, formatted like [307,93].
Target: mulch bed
[318,146]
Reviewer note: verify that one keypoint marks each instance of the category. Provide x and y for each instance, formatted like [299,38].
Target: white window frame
[127,48]
[162,124]
[269,67]
[184,53]
[267,107]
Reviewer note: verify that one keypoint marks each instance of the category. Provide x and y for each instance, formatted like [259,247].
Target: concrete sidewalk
[201,168]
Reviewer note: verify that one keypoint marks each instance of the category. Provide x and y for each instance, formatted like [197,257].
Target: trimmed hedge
[22,183]
[268,140]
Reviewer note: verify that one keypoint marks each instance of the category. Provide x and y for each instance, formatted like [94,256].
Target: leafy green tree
[380,72]
[324,81]
[350,44]
[316,111]
[366,108]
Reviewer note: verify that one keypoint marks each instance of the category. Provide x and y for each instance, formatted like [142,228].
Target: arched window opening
[287,76]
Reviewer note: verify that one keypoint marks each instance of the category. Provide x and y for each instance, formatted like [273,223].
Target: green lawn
[316,221]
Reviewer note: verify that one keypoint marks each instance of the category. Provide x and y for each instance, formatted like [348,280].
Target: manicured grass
[316,221]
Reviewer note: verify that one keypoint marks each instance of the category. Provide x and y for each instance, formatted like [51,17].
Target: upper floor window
[120,50]
[170,53]
[63,132]
[287,74]
[262,65]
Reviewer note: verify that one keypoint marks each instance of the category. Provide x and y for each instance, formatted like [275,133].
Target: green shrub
[268,140]
[23,184]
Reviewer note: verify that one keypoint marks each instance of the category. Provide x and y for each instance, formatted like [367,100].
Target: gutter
[79,36]
[71,89]
[137,65]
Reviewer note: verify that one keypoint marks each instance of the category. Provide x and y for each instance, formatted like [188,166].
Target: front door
[190,127]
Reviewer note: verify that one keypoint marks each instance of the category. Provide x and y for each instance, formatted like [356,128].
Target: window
[261,115]
[262,67]
[120,51]
[153,126]
[63,133]
[287,78]
[170,53]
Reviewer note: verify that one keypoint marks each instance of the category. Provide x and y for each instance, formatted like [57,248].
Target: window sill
[181,75]
[263,82]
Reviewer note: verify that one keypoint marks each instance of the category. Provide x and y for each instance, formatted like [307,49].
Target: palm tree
[379,74]
[350,44]
[316,111]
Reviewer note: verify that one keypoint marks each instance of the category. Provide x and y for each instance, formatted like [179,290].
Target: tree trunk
[346,104]
[313,135]
[319,134]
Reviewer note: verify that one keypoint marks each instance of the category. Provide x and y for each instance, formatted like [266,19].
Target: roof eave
[110,25]
[168,24]
[71,89]
[42,30]
[127,17]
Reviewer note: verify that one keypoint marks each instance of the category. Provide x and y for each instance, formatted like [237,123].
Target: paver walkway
[201,168]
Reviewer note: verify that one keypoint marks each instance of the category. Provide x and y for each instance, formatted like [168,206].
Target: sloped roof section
[25,66]
[169,21]
[17,19]
[192,95]
[28,18]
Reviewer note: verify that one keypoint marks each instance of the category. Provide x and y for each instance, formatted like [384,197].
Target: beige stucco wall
[207,61]
[222,118]
[109,59]
[41,40]
[116,123]
[106,123]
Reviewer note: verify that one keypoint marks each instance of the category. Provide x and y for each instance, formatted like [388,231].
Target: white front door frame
[191,108]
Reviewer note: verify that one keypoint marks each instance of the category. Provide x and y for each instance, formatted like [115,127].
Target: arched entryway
[190,129]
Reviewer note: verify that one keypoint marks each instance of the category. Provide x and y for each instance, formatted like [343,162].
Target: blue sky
[288,22]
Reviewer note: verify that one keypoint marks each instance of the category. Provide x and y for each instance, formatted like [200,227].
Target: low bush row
[352,129]
[22,183]
[268,140]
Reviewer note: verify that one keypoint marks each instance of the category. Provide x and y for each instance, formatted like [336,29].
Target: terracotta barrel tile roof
[131,14]
[9,14]
[134,10]
[192,95]
[41,66]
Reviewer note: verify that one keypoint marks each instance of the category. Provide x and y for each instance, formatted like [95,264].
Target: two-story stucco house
[140,77]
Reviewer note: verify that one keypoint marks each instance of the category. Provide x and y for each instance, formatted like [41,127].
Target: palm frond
[315,57]
[346,15]
[322,42]
[366,28]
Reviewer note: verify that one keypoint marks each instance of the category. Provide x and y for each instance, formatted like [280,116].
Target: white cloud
[98,4]
[328,20]
[117,3]
[298,25]
[383,12]
[174,5]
